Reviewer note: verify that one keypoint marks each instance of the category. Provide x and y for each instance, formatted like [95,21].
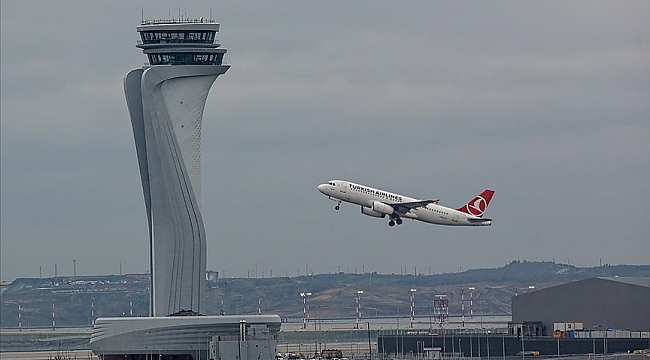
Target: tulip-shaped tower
[166,98]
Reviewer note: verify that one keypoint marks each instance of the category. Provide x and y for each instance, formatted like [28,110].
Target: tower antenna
[211,13]
[142,15]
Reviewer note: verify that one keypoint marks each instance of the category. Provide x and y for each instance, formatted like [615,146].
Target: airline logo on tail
[478,205]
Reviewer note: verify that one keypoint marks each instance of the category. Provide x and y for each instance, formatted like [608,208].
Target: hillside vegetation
[75,299]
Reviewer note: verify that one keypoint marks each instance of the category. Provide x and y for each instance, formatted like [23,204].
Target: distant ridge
[333,294]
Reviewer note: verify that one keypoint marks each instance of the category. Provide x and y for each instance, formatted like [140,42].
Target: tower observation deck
[180,42]
[166,99]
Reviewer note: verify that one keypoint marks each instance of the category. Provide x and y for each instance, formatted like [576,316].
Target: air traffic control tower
[166,98]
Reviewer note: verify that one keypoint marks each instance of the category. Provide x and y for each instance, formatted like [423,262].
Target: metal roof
[639,281]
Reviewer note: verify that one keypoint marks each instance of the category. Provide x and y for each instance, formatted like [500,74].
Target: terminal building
[592,316]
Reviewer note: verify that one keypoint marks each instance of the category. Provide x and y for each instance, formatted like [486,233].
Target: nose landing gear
[338,206]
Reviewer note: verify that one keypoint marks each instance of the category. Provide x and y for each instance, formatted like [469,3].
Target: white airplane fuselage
[371,200]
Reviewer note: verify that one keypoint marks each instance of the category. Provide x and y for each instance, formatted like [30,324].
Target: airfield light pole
[358,301]
[471,302]
[305,308]
[319,318]
[462,307]
[412,306]
[605,338]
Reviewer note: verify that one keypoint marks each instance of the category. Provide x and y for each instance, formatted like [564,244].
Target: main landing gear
[394,221]
[338,206]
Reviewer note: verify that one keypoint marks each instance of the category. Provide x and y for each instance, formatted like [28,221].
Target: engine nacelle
[380,207]
[370,212]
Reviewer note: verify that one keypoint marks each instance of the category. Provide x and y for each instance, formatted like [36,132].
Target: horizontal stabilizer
[478,220]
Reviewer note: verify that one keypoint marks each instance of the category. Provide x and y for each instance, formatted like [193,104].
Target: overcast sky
[548,103]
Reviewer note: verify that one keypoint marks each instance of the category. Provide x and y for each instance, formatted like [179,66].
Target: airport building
[595,304]
[186,337]
[166,99]
[601,315]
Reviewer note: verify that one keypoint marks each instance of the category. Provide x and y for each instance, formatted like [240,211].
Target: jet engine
[380,207]
[370,212]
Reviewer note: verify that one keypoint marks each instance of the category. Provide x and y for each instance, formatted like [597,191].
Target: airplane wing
[408,206]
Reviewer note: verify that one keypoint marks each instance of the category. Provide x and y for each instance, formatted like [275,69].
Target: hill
[77,299]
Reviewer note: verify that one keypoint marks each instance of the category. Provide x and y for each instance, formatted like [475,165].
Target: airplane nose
[322,188]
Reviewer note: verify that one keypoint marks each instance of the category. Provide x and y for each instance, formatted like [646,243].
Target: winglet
[478,204]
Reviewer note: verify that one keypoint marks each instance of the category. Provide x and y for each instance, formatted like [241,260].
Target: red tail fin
[478,204]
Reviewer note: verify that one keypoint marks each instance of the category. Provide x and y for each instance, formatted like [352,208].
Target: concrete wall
[497,346]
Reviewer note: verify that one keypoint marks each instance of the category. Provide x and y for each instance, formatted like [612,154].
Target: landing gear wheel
[399,221]
[391,223]
[337,207]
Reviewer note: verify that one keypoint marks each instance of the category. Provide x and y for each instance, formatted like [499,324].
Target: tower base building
[228,337]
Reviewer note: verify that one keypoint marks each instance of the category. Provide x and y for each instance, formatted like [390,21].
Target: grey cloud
[545,102]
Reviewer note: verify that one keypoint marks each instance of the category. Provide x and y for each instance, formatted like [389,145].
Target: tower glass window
[186,59]
[171,37]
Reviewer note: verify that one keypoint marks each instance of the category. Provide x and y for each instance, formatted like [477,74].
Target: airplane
[379,203]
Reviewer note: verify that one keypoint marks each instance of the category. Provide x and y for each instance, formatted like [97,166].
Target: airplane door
[342,187]
[454,218]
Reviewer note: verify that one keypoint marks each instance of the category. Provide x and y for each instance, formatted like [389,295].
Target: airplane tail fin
[478,204]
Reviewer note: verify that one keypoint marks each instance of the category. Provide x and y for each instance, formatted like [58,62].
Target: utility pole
[471,302]
[305,308]
[462,307]
[413,306]
[358,301]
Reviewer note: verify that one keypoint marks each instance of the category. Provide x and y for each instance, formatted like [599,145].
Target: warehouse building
[598,303]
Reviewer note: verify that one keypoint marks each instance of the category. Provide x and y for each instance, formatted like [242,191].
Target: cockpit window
[332,184]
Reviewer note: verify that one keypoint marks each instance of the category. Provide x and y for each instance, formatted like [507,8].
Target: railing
[177,21]
[223,63]
[179,41]
[611,334]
